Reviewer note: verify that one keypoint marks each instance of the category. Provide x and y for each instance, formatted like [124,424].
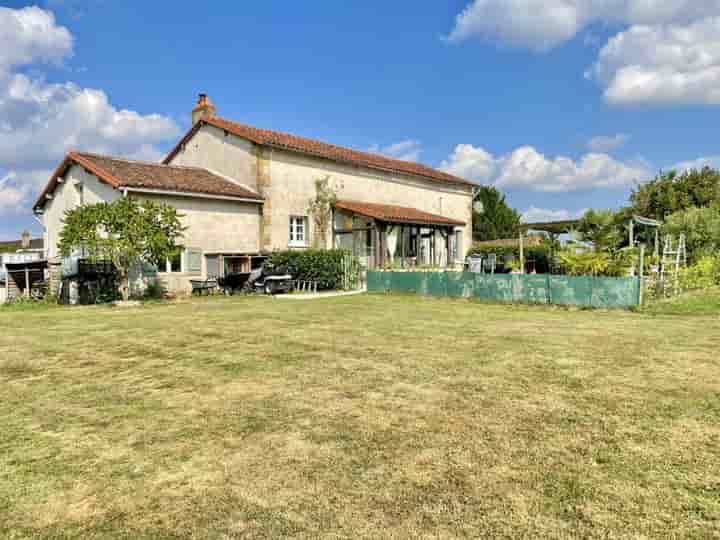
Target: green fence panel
[378,281]
[529,289]
[615,292]
[406,282]
[570,291]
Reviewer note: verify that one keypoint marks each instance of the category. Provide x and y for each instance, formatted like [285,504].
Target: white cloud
[18,188]
[699,163]
[41,121]
[539,215]
[526,168]
[606,143]
[30,35]
[544,24]
[662,64]
[408,150]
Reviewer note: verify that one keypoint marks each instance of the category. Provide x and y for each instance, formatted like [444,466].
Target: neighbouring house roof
[16,245]
[286,141]
[147,176]
[395,214]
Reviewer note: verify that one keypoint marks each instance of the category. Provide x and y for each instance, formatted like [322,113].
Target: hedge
[322,265]
[540,254]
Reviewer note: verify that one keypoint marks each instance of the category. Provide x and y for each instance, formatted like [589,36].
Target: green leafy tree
[671,192]
[126,232]
[701,227]
[320,208]
[493,218]
[603,228]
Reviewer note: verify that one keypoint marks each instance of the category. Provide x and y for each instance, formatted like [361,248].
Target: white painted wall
[66,197]
[228,155]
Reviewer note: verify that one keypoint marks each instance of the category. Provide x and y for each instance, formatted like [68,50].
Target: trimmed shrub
[322,265]
[539,254]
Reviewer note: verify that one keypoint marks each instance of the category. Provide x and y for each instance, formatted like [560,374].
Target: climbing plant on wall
[320,208]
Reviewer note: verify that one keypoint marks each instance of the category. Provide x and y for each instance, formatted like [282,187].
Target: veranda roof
[396,214]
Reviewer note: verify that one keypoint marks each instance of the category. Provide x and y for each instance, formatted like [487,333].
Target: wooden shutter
[193,261]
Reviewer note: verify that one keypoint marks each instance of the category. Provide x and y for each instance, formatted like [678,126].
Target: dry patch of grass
[358,417]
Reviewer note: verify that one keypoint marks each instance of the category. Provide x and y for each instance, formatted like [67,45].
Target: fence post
[549,288]
[641,279]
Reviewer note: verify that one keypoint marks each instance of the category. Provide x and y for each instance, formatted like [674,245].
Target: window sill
[298,246]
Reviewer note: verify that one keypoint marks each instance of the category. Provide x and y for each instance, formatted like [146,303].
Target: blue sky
[563,109]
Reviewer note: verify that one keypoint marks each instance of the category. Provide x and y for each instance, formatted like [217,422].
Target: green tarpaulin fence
[600,292]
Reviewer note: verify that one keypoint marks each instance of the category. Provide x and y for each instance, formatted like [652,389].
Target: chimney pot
[25,240]
[203,109]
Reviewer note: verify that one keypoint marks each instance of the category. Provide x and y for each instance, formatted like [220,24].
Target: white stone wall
[66,197]
[228,155]
[215,225]
[293,185]
[292,182]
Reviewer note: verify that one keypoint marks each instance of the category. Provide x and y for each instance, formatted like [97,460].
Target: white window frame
[295,241]
[168,265]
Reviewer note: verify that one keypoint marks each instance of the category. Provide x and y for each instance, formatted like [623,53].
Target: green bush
[539,254]
[701,227]
[704,274]
[321,265]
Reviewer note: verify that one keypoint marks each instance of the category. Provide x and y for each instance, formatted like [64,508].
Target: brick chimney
[203,108]
[25,240]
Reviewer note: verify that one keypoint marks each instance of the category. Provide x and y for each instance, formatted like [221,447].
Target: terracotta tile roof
[312,147]
[131,174]
[396,214]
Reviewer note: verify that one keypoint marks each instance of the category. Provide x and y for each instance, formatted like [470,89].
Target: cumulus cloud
[539,215]
[662,64]
[527,168]
[41,121]
[699,163]
[16,189]
[544,24]
[31,35]
[408,150]
[607,143]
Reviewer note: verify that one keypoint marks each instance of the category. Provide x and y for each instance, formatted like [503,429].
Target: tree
[493,218]
[320,208]
[126,232]
[602,228]
[701,227]
[672,192]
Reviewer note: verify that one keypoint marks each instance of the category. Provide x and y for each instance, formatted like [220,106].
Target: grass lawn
[358,417]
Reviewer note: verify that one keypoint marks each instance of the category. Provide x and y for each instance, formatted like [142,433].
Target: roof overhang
[72,159]
[397,214]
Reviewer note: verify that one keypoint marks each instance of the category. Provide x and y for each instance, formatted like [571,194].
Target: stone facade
[287,181]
